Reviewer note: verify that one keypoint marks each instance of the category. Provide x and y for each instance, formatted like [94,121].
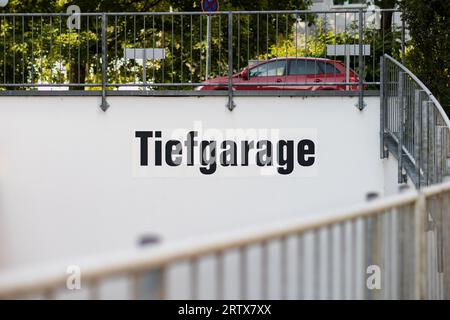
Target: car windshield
[272,68]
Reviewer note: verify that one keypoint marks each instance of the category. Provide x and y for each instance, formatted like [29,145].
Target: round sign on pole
[209,6]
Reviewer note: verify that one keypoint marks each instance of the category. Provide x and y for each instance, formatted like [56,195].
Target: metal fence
[402,241]
[415,127]
[395,248]
[106,51]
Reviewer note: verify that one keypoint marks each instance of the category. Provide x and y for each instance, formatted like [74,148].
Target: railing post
[438,154]
[361,61]
[382,109]
[424,152]
[104,106]
[432,145]
[230,104]
[418,135]
[419,244]
[401,103]
[403,40]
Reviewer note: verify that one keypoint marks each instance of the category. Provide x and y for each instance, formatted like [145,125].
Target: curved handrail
[423,86]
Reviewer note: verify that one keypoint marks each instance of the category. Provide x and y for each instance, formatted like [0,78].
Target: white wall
[67,187]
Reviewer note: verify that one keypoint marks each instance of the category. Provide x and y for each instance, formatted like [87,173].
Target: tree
[386,17]
[429,54]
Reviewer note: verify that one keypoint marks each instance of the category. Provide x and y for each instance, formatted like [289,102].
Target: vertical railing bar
[316,265]
[284,268]
[420,258]
[161,289]
[4,49]
[438,154]
[172,48]
[87,45]
[401,252]
[32,49]
[300,264]
[181,48]
[369,253]
[104,105]
[194,278]
[94,293]
[220,46]
[96,44]
[200,34]
[239,42]
[417,134]
[264,271]
[134,48]
[60,49]
[361,61]
[51,49]
[432,145]
[425,134]
[377,248]
[135,286]
[403,46]
[69,38]
[343,269]
[116,57]
[382,108]
[231,104]
[383,261]
[354,259]
[401,126]
[23,49]
[13,49]
[163,44]
[243,273]
[154,46]
[79,54]
[330,263]
[220,288]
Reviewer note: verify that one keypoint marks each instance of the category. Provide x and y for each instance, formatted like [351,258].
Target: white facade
[68,189]
[341,21]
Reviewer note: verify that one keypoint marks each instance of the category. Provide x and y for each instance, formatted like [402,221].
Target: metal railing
[330,256]
[413,125]
[393,248]
[185,49]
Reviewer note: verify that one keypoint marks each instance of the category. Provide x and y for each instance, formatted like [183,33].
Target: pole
[361,61]
[347,68]
[104,106]
[144,69]
[401,105]
[208,46]
[230,104]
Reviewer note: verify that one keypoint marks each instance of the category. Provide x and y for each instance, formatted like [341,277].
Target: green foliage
[44,50]
[429,52]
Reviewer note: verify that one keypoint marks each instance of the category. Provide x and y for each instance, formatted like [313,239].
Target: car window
[328,68]
[272,68]
[304,67]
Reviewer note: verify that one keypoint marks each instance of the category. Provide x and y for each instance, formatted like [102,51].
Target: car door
[267,75]
[331,74]
[303,74]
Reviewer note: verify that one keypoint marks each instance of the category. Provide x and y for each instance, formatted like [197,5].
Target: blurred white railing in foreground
[403,240]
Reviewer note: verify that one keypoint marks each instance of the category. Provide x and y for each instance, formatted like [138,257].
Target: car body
[288,74]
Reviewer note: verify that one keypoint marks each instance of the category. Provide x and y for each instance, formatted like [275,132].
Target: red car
[288,74]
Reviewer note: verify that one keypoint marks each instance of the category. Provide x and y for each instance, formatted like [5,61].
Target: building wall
[70,183]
